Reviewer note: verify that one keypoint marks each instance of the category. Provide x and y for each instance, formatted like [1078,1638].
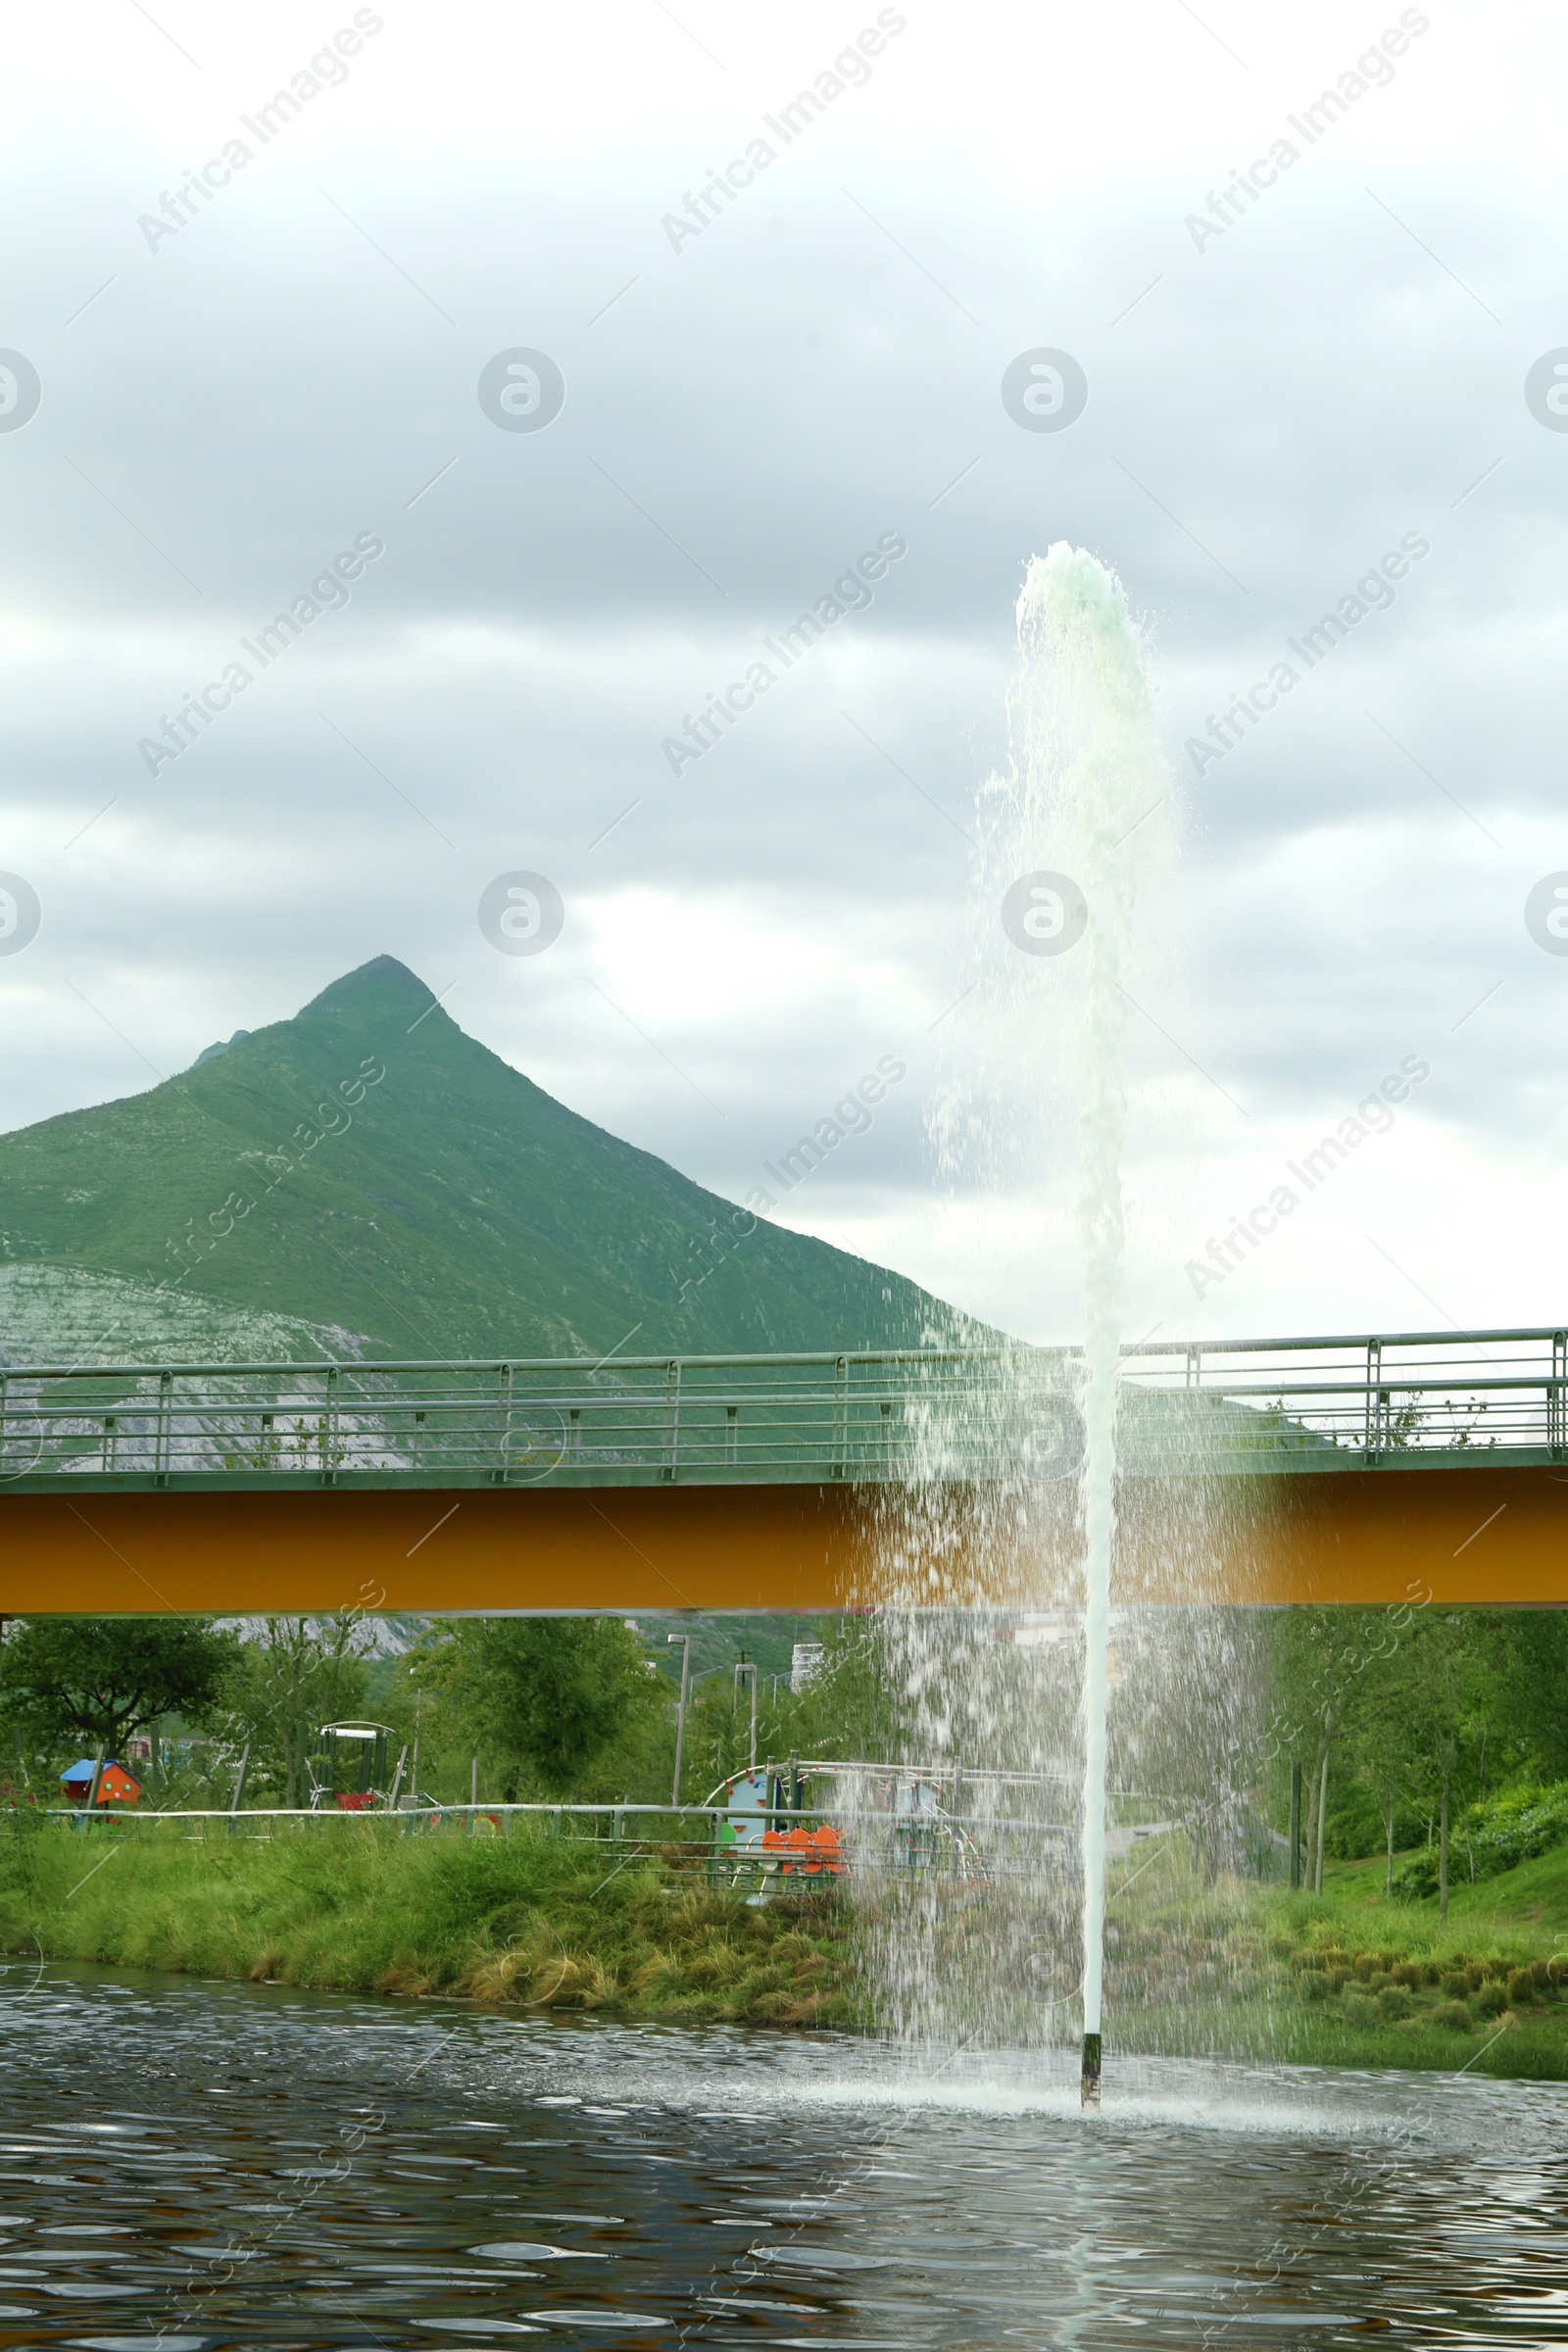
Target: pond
[192,2166]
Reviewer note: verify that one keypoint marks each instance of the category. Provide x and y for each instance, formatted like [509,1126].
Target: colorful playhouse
[114,1783]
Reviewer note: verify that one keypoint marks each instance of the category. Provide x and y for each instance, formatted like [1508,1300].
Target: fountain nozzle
[1091,2073]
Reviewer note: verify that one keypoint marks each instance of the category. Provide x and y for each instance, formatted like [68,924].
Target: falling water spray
[1067,835]
[1090,778]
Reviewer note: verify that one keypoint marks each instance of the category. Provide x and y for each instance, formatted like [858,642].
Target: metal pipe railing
[432,1807]
[873,1416]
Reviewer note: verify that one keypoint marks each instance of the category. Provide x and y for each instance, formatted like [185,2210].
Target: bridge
[1369,1469]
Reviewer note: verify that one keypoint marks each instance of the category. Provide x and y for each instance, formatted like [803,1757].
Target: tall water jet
[1092,771]
[1067,832]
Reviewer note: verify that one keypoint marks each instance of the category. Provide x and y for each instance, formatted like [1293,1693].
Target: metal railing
[1385,1400]
[640,1421]
[977,1846]
[1301,1404]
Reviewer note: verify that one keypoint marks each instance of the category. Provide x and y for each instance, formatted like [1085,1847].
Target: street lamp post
[747,1666]
[685,1642]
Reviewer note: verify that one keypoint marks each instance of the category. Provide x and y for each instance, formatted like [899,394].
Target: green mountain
[366,1178]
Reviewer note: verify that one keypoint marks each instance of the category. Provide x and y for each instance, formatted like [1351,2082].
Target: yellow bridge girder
[1362,1537]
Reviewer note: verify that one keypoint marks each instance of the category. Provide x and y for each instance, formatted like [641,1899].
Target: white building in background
[806,1664]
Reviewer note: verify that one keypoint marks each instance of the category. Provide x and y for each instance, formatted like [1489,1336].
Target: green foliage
[94,1681]
[552,1697]
[1358,1825]
[1417,1711]
[298,1674]
[1520,1824]
[1326,1677]
[1441,1694]
[854,1706]
[1533,1681]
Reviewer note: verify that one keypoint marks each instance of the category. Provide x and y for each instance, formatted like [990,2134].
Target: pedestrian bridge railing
[1296,1405]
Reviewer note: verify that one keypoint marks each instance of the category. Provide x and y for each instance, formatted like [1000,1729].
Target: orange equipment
[114,1783]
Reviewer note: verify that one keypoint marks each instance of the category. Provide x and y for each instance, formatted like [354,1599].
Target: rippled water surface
[198,2166]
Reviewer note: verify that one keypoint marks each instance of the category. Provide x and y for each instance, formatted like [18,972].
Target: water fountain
[1091,775]
[1070,832]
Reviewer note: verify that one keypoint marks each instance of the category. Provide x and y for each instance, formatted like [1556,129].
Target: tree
[1382,1754]
[554,1695]
[1532,1675]
[857,1707]
[303,1672]
[1443,1683]
[94,1681]
[1329,1665]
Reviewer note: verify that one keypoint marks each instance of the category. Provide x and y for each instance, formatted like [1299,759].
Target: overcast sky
[1282,389]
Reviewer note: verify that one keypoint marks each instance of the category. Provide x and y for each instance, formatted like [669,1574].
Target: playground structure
[899,1818]
[359,1749]
[99,1781]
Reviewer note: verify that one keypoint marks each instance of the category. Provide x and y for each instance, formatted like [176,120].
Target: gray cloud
[1265,420]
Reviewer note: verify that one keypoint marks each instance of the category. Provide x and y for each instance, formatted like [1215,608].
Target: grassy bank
[1486,1989]
[1348,1979]
[523,1920]
[1229,1970]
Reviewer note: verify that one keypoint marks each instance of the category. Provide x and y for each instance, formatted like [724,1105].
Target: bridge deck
[1294,1406]
[1350,1469]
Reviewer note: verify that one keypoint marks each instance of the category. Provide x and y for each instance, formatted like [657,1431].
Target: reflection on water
[195,2166]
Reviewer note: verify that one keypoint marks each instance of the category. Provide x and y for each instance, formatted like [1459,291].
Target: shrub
[1312,1984]
[1394,2002]
[1521,1987]
[1407,1971]
[1511,1829]
[1515,1828]
[1360,2009]
[1363,1965]
[1455,1985]
[1541,1974]
[1491,2000]
[1454,2015]
[1379,1980]
[1337,1979]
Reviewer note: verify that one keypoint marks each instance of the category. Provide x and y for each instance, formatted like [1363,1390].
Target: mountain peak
[425,1196]
[383,977]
